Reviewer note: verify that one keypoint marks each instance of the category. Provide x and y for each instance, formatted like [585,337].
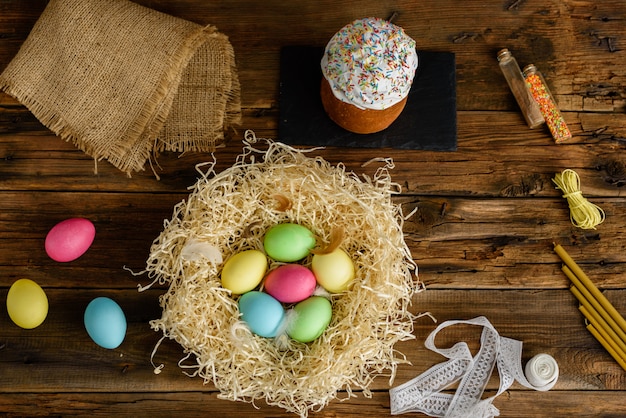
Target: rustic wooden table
[482,234]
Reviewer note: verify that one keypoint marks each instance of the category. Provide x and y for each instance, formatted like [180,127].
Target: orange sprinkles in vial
[540,92]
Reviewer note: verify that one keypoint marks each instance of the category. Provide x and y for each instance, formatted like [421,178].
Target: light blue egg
[263,314]
[105,322]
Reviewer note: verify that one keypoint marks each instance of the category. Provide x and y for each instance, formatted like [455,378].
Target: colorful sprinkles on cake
[370,63]
[550,112]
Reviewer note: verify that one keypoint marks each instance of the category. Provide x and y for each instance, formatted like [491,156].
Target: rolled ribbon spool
[541,370]
[424,393]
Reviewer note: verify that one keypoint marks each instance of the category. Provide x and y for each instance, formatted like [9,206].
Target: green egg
[288,242]
[312,317]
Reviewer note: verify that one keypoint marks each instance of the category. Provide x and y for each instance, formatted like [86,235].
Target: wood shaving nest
[230,212]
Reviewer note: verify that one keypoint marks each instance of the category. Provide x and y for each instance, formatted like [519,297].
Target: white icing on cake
[370,63]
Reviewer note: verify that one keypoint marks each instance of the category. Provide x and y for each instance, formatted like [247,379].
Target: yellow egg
[333,271]
[27,304]
[244,271]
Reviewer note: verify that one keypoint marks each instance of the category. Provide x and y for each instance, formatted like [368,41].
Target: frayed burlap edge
[130,151]
[228,112]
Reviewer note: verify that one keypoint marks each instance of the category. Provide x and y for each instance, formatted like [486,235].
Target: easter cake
[255,341]
[368,69]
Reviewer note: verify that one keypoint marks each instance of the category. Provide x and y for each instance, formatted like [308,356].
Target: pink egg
[69,239]
[290,283]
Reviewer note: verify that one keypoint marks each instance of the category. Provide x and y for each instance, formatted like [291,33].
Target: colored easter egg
[290,283]
[288,242]
[244,271]
[105,322]
[69,239]
[334,271]
[312,316]
[263,314]
[27,304]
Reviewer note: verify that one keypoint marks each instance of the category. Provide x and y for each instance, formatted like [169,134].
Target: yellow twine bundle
[583,213]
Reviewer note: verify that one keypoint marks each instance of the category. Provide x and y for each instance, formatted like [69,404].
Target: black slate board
[428,122]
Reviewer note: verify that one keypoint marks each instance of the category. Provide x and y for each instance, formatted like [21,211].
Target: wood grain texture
[482,221]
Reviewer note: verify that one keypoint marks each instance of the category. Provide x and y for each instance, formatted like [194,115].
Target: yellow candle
[609,337]
[606,346]
[586,283]
[585,298]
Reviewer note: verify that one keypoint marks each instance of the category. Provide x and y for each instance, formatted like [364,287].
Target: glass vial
[517,84]
[541,94]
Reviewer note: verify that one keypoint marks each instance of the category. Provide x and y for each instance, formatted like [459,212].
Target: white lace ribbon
[422,394]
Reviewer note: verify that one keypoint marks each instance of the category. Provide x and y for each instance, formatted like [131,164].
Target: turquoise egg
[312,316]
[263,314]
[288,242]
[105,322]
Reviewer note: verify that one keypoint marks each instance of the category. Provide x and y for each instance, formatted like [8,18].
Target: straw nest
[230,212]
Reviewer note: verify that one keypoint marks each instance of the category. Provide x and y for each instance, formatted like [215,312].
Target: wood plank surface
[483,218]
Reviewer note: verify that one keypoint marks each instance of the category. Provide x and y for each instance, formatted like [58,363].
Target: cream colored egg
[244,271]
[333,271]
[27,304]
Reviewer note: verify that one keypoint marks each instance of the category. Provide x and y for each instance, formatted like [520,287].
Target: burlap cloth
[122,81]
